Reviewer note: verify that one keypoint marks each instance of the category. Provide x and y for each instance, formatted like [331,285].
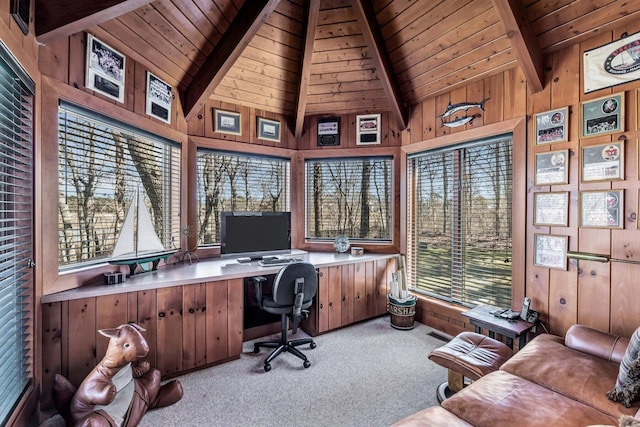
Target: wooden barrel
[402,313]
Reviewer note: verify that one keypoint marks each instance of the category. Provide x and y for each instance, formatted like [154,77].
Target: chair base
[284,346]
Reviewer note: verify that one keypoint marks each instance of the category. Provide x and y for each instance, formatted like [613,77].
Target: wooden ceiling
[315,57]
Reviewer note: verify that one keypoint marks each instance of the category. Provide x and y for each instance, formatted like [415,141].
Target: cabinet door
[347,292]
[216,323]
[169,357]
[370,289]
[193,326]
[359,292]
[334,283]
[235,298]
[384,268]
[323,299]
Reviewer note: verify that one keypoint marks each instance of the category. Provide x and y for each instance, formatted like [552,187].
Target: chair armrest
[258,281]
[597,343]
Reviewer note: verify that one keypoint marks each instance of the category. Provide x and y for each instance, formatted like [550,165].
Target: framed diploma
[550,251]
[602,209]
[603,162]
[551,208]
[552,168]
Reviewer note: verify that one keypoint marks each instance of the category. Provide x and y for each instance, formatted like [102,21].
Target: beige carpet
[368,374]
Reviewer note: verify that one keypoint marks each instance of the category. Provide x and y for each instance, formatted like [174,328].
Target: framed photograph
[20,11]
[551,209]
[227,122]
[603,162]
[552,168]
[328,131]
[268,130]
[159,98]
[602,209]
[603,115]
[368,129]
[105,69]
[612,64]
[551,126]
[550,251]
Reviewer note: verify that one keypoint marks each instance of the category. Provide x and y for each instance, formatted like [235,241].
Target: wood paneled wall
[601,295]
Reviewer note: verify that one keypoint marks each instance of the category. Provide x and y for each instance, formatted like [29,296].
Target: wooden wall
[601,295]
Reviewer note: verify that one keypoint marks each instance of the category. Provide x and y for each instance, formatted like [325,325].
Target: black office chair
[294,288]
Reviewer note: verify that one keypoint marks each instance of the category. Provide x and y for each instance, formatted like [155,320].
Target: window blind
[102,165]
[349,197]
[16,233]
[230,181]
[459,208]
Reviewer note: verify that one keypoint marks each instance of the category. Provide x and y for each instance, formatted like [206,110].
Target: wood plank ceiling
[318,57]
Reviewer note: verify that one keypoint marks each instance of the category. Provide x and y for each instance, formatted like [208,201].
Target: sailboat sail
[137,235]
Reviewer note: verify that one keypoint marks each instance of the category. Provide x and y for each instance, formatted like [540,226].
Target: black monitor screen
[253,234]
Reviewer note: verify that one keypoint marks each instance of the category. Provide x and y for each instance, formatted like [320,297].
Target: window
[102,165]
[238,182]
[349,197]
[459,222]
[16,233]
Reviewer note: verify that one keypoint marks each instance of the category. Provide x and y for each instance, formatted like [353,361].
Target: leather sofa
[550,382]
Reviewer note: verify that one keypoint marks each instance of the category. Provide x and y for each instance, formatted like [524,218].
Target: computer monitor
[254,234]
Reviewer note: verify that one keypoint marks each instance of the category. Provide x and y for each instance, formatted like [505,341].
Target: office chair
[294,288]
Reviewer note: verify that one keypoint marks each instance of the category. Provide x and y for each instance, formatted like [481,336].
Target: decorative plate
[341,244]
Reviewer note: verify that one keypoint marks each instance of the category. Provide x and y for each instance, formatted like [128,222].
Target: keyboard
[277,261]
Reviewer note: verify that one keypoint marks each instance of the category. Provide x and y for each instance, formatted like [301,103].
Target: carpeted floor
[368,374]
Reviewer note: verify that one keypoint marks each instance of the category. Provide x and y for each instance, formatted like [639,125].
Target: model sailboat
[138,242]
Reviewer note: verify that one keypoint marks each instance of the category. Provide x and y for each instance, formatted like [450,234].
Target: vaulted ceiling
[315,57]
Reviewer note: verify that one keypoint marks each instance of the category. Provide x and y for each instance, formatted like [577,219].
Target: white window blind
[459,222]
[229,181]
[102,165]
[16,239]
[349,197]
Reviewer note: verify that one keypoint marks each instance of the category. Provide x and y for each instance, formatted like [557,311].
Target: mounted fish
[459,121]
[462,106]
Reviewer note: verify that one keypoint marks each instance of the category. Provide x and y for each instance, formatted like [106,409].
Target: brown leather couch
[550,382]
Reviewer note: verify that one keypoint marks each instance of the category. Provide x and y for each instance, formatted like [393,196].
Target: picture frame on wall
[550,251]
[368,129]
[227,122]
[159,98]
[268,130]
[552,126]
[552,168]
[20,10]
[602,209]
[328,131]
[551,209]
[602,116]
[602,162]
[105,69]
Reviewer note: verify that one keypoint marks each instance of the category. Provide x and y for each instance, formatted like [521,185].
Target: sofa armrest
[601,344]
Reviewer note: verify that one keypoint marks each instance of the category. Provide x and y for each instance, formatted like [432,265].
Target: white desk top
[205,271]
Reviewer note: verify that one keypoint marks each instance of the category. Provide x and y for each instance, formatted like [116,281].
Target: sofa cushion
[584,377]
[434,416]
[627,385]
[503,399]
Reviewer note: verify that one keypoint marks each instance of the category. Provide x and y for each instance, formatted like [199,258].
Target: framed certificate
[551,208]
[552,168]
[550,251]
[551,126]
[602,209]
[603,162]
[602,116]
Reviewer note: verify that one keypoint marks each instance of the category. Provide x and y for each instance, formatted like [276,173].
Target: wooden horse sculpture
[120,389]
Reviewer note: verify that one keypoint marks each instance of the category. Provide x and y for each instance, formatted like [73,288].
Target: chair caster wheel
[267,367]
[256,349]
[306,364]
[312,345]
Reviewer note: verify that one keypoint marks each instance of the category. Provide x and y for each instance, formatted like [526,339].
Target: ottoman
[468,355]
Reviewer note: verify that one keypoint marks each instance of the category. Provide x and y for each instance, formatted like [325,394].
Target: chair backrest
[285,281]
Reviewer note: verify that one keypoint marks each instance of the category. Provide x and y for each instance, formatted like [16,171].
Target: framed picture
[551,209]
[328,131]
[550,251]
[612,64]
[552,168]
[603,115]
[105,69]
[268,130]
[603,162]
[602,209]
[551,126]
[159,98]
[227,122]
[20,10]
[368,129]
[637,109]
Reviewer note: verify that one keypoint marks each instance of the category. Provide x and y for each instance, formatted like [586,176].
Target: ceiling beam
[61,18]
[305,69]
[523,40]
[373,38]
[245,25]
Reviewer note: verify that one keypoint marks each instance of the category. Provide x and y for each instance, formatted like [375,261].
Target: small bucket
[402,313]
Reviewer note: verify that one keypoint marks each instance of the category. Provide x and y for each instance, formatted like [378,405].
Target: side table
[481,317]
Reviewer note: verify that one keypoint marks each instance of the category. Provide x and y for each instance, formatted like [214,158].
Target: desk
[481,317]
